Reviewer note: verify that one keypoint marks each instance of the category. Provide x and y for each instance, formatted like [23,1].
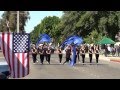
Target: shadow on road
[81,64]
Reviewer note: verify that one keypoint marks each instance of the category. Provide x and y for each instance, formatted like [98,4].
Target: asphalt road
[104,70]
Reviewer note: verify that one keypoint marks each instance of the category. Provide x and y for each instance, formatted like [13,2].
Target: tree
[93,37]
[82,23]
[11,16]
[91,25]
[49,26]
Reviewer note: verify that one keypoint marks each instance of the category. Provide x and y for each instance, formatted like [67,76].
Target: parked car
[4,70]
[4,75]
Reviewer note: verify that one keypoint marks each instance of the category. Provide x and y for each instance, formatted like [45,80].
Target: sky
[36,17]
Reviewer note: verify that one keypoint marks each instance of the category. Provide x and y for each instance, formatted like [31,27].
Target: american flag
[15,47]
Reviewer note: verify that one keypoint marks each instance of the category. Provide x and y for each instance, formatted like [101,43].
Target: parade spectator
[118,50]
[113,51]
[105,51]
[109,49]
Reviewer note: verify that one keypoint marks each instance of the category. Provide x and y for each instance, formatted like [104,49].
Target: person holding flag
[74,55]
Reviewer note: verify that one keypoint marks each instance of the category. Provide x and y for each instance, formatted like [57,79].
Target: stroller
[4,75]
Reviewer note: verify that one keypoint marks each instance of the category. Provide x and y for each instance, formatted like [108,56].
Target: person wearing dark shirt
[97,53]
[77,54]
[68,53]
[34,54]
[90,51]
[45,48]
[40,51]
[48,52]
[83,54]
[60,54]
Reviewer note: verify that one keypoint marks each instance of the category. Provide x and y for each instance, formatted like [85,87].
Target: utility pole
[18,29]
[8,27]
[18,20]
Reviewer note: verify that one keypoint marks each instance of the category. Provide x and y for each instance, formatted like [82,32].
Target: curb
[115,61]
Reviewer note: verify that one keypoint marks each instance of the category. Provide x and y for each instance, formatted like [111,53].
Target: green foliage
[91,25]
[93,38]
[49,26]
[11,16]
[82,23]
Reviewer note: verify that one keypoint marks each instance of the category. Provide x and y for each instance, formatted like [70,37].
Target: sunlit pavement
[103,70]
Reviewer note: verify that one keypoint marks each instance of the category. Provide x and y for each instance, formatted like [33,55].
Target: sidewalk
[109,58]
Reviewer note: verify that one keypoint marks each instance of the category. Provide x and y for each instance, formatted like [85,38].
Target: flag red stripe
[8,49]
[13,65]
[18,65]
[28,62]
[23,71]
[3,44]
[5,47]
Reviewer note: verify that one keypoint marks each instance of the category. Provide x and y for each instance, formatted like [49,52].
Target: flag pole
[18,22]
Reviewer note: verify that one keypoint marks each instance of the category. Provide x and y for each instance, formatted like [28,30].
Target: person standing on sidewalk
[97,53]
[60,54]
[106,51]
[117,50]
[90,51]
